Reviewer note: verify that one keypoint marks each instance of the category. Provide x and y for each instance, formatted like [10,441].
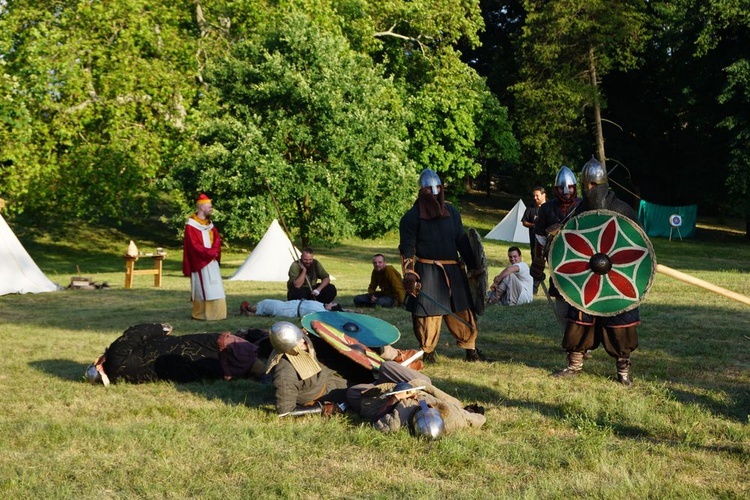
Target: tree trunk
[597,110]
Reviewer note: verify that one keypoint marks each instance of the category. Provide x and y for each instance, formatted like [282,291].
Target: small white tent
[511,228]
[18,271]
[271,258]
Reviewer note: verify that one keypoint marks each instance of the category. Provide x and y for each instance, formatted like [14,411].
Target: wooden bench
[130,271]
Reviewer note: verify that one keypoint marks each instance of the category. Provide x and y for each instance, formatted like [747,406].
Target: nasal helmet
[285,336]
[565,182]
[429,178]
[593,171]
[94,376]
[427,423]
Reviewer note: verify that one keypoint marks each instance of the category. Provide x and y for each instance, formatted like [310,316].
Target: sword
[445,309]
[546,293]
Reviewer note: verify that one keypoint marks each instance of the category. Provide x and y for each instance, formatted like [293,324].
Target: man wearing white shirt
[514,285]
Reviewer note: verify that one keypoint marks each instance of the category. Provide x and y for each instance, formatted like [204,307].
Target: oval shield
[478,279]
[371,331]
[602,263]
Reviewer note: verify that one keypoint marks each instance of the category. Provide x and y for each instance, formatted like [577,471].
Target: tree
[457,122]
[98,98]
[566,47]
[300,111]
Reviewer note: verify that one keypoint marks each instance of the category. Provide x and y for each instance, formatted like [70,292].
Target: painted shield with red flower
[602,263]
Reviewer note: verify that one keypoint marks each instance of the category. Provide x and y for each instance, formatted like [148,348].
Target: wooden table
[130,270]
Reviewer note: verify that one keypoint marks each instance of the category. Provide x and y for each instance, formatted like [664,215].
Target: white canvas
[271,258]
[18,271]
[511,228]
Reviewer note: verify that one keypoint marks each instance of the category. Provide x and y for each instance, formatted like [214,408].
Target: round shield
[369,330]
[602,263]
[478,279]
[346,345]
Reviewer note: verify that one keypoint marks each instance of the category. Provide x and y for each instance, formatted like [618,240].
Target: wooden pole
[691,280]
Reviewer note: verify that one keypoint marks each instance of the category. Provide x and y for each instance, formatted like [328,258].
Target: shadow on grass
[705,369]
[64,369]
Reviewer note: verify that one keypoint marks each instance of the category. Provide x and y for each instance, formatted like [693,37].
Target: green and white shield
[602,263]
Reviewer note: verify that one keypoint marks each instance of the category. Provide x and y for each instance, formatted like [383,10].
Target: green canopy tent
[660,220]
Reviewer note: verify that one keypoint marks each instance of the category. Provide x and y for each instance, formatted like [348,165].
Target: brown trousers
[618,342]
[427,330]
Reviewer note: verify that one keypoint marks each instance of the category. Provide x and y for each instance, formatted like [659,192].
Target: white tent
[18,271]
[271,258]
[511,228]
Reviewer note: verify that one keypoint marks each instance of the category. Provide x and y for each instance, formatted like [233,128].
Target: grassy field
[682,430]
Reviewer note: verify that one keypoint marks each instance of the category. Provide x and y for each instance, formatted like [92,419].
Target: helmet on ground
[285,336]
[426,422]
[95,376]
[565,181]
[428,178]
[593,171]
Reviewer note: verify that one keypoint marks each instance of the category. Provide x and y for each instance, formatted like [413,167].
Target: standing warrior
[585,331]
[432,236]
[548,222]
[200,260]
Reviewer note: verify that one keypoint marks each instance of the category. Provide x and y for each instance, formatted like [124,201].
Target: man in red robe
[200,260]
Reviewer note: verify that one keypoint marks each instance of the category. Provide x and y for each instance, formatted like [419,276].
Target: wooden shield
[602,263]
[370,331]
[346,345]
[478,279]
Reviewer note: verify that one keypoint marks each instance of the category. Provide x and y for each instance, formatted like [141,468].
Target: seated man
[308,280]
[390,412]
[287,309]
[514,285]
[148,353]
[388,280]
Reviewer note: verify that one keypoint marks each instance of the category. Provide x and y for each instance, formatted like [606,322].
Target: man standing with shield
[603,271]
[550,218]
[432,236]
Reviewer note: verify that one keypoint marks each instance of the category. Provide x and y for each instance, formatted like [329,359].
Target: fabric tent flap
[18,271]
[511,228]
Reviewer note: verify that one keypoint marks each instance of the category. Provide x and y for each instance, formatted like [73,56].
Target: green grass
[682,431]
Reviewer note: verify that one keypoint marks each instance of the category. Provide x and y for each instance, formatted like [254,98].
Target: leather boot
[474,355]
[623,371]
[575,365]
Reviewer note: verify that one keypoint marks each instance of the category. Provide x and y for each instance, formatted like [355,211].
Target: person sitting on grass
[514,285]
[385,289]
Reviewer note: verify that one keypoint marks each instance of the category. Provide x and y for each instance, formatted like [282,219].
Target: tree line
[331,108]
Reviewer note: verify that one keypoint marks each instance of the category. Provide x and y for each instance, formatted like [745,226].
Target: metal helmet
[429,178]
[426,422]
[593,171]
[95,376]
[285,336]
[565,182]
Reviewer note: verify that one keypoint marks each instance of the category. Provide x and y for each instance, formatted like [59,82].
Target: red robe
[195,256]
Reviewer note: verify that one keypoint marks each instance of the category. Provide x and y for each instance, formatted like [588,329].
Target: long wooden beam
[692,280]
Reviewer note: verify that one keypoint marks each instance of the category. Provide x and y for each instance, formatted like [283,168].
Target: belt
[440,264]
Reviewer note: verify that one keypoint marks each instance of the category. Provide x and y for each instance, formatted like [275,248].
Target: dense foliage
[337,105]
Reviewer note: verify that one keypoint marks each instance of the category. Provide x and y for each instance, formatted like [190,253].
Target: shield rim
[649,247]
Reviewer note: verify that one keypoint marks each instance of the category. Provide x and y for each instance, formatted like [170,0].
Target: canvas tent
[271,258]
[656,219]
[511,228]
[18,271]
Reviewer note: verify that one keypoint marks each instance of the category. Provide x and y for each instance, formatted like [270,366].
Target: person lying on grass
[286,308]
[148,353]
